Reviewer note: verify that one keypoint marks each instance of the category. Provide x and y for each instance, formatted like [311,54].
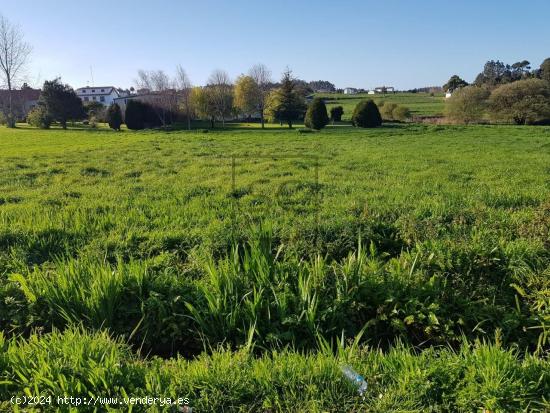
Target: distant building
[371,92]
[23,100]
[350,91]
[102,94]
[384,89]
[448,95]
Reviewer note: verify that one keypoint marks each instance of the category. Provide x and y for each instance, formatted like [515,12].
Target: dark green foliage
[316,115]
[498,73]
[366,115]
[455,82]
[114,116]
[544,70]
[287,103]
[336,113]
[522,102]
[61,102]
[140,115]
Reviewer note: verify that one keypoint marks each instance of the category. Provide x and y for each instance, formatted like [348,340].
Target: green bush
[386,111]
[140,115]
[39,117]
[522,102]
[366,115]
[114,116]
[316,115]
[336,113]
[401,113]
[467,104]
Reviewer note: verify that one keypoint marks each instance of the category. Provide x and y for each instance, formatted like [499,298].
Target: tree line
[502,93]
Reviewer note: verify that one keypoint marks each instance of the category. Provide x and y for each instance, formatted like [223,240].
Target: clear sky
[359,43]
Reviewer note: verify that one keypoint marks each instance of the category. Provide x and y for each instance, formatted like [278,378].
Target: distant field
[420,104]
[273,245]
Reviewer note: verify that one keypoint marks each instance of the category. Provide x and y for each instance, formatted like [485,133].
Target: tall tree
[544,70]
[61,102]
[454,83]
[221,93]
[14,54]
[114,116]
[203,103]
[163,99]
[287,104]
[247,95]
[262,76]
[183,90]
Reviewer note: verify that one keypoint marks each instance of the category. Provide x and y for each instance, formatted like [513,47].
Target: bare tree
[262,76]
[163,93]
[183,88]
[14,54]
[222,93]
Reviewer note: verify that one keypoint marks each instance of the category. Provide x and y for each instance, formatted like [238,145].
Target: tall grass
[478,376]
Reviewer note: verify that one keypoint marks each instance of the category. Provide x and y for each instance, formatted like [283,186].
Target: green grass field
[420,104]
[237,267]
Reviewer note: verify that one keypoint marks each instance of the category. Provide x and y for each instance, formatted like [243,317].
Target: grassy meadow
[420,104]
[240,267]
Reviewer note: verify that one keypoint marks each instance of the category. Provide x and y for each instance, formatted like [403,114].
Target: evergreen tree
[316,115]
[336,113]
[287,104]
[61,102]
[366,115]
[114,116]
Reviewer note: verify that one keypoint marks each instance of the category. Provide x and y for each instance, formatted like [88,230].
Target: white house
[372,92]
[384,89]
[350,91]
[102,94]
[448,94]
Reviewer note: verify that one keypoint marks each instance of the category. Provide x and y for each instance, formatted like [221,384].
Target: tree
[316,115]
[247,95]
[203,103]
[184,93]
[544,70]
[114,116]
[14,54]
[366,115]
[221,94]
[140,115]
[494,73]
[336,113]
[286,103]
[522,102]
[95,110]
[467,104]
[262,76]
[454,83]
[61,102]
[164,99]
[322,86]
[39,117]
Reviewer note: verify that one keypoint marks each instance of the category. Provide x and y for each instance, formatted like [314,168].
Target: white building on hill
[102,94]
[350,91]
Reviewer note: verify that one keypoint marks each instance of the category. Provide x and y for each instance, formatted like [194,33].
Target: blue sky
[361,43]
